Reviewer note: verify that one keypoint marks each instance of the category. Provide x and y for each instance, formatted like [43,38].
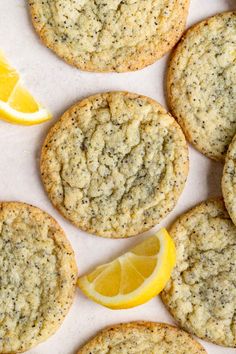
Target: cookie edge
[225,182]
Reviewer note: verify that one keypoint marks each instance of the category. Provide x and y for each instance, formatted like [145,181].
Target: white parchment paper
[58,85]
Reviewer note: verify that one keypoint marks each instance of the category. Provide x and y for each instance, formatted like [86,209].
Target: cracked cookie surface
[142,337]
[229,180]
[37,276]
[201,294]
[201,84]
[115,164]
[109,35]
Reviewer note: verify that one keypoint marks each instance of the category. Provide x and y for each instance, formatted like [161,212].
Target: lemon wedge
[135,277]
[17,105]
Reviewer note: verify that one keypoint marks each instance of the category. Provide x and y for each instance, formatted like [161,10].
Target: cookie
[37,276]
[228,181]
[105,36]
[142,337]
[201,84]
[115,164]
[201,294]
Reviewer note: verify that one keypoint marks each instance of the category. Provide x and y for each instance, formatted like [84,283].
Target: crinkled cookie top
[109,35]
[142,338]
[115,164]
[201,84]
[201,294]
[37,276]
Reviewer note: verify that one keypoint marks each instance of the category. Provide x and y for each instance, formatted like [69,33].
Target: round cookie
[200,84]
[142,337]
[201,293]
[229,180]
[105,36]
[38,276]
[115,164]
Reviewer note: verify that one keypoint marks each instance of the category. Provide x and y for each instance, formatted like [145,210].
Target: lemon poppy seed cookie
[115,164]
[111,35]
[229,180]
[201,84]
[142,337]
[201,294]
[37,276]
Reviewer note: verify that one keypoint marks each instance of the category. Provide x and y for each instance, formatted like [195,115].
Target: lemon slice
[135,277]
[17,105]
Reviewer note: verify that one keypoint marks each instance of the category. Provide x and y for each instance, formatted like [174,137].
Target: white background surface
[58,86]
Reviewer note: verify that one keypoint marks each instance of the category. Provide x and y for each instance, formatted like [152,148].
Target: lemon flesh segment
[8,81]
[22,101]
[135,277]
[17,105]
